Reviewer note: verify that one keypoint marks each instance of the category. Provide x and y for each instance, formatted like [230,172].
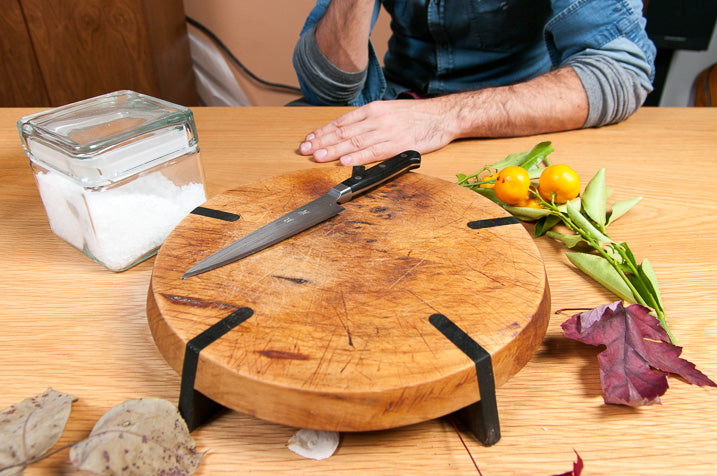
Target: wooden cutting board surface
[339,336]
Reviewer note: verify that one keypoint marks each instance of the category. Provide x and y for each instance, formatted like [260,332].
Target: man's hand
[555,101]
[383,129]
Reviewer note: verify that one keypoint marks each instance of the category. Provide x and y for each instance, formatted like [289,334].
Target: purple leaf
[638,354]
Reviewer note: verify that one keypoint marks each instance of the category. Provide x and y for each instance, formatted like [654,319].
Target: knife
[310,214]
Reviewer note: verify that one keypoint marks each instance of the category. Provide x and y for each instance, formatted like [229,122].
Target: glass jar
[116,173]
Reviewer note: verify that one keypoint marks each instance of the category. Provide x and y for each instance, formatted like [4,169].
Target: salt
[121,225]
[116,173]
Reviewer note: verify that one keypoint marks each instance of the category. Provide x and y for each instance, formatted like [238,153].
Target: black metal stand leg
[195,407]
[481,418]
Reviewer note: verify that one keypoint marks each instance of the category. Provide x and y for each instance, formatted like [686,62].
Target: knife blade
[308,215]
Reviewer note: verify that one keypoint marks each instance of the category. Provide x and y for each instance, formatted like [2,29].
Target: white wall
[685,66]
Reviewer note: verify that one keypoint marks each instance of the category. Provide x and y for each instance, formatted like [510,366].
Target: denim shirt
[446,46]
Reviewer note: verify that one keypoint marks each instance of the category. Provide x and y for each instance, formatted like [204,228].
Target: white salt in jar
[116,173]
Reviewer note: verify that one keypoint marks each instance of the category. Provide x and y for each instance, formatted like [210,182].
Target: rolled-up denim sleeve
[321,82]
[605,42]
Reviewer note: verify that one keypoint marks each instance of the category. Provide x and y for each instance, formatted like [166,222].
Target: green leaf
[461,178]
[579,219]
[601,271]
[533,158]
[569,240]
[544,224]
[535,172]
[489,193]
[643,290]
[512,159]
[612,251]
[648,274]
[530,213]
[628,252]
[620,208]
[594,199]
[527,160]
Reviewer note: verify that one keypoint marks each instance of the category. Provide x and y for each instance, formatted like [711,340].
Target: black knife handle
[381,173]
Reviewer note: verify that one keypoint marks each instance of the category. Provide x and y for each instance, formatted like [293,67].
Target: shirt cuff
[326,83]
[614,93]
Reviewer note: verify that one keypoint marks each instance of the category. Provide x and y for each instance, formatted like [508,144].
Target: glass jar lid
[108,138]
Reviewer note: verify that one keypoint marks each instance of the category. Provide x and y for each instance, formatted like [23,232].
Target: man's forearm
[343,33]
[555,101]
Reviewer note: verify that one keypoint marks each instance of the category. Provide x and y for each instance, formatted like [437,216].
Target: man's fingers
[336,133]
[363,143]
[342,128]
[376,152]
[374,132]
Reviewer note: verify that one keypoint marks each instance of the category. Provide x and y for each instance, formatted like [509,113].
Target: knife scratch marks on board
[293,280]
[348,361]
[485,275]
[282,354]
[343,323]
[196,302]
[358,223]
[423,301]
[315,374]
[436,361]
[382,212]
[407,272]
[423,337]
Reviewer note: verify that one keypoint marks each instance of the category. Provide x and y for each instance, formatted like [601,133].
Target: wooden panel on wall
[169,45]
[91,47]
[21,82]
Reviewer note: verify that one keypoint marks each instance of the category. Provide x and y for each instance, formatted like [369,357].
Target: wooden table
[67,323]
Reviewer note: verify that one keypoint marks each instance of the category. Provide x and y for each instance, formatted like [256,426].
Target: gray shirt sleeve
[614,93]
[616,79]
[330,84]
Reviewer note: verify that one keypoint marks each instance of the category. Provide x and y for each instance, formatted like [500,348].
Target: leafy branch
[612,264]
[640,349]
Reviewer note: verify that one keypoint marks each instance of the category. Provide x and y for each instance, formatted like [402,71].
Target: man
[477,68]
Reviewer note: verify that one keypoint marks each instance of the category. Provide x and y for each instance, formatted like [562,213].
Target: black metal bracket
[481,417]
[194,406]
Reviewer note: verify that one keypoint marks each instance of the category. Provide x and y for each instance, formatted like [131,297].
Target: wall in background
[262,36]
[685,66]
[54,53]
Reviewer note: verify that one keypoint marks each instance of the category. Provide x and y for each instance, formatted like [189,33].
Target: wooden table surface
[67,323]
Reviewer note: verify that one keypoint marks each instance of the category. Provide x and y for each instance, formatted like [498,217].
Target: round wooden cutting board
[338,335]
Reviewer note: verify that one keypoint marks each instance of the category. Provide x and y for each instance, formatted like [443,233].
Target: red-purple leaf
[577,467]
[638,354]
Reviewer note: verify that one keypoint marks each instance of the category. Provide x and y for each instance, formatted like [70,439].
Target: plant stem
[567,221]
[30,461]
